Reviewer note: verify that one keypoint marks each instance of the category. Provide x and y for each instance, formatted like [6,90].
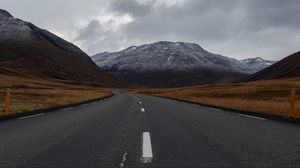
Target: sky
[234,28]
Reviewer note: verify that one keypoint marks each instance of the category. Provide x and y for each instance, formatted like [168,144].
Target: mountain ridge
[176,59]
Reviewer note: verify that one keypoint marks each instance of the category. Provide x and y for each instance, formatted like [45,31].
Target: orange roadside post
[292,111]
[7,104]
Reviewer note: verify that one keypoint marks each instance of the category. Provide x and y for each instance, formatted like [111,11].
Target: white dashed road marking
[147,148]
[143,110]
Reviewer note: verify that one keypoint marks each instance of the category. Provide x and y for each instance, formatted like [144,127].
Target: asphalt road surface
[130,130]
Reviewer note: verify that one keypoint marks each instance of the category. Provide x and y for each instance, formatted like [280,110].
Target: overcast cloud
[235,28]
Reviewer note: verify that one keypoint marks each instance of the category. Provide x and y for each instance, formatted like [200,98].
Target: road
[129,130]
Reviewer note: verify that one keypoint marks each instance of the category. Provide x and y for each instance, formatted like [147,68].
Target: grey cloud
[92,31]
[94,37]
[229,22]
[208,19]
[270,13]
[236,28]
[132,7]
[193,21]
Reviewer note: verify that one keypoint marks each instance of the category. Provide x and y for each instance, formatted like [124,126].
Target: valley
[135,85]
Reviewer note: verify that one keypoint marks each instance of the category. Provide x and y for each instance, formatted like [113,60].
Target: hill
[289,67]
[30,51]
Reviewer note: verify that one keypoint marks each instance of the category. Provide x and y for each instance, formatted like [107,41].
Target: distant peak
[173,43]
[132,47]
[254,59]
[183,44]
[164,43]
[258,58]
[4,13]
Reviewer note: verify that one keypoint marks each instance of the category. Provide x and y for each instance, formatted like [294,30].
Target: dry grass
[32,94]
[270,97]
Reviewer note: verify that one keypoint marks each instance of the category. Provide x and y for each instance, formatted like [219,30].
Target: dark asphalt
[109,132]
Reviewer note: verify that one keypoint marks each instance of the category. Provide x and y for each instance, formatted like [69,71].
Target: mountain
[28,50]
[168,64]
[289,67]
[256,64]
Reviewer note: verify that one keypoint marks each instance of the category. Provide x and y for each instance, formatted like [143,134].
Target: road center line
[35,115]
[143,110]
[140,102]
[147,148]
[258,118]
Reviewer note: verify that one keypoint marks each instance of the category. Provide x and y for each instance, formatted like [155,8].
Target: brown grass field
[29,94]
[271,97]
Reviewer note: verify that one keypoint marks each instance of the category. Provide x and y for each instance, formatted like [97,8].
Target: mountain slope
[27,49]
[287,68]
[167,64]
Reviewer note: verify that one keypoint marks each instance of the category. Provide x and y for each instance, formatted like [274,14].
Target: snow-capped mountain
[166,55]
[29,50]
[256,64]
[166,64]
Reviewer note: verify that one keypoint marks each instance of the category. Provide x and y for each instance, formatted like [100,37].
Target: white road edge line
[147,148]
[35,115]
[143,110]
[249,116]
[215,109]
[67,108]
